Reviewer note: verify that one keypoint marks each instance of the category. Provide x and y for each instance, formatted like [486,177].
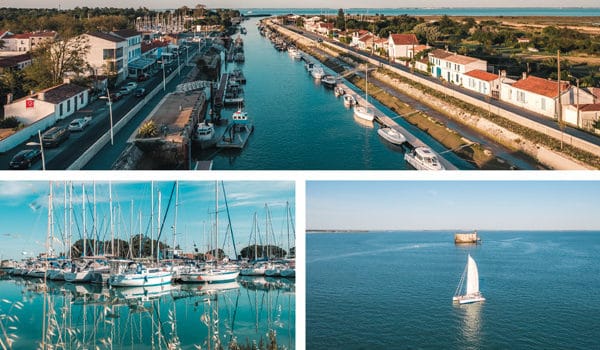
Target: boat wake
[371,252]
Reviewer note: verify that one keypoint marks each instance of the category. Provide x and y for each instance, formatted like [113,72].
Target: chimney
[9,98]
[524,75]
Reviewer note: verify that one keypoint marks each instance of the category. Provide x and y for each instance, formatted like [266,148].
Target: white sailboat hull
[78,277]
[141,279]
[364,113]
[217,276]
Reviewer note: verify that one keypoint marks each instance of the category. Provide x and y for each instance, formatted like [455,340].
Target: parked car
[143,77]
[131,86]
[319,40]
[55,136]
[139,92]
[25,158]
[79,124]
[115,96]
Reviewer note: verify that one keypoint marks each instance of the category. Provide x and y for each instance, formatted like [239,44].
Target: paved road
[550,123]
[62,157]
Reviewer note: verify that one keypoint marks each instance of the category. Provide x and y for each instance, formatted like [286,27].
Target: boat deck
[385,120]
[238,139]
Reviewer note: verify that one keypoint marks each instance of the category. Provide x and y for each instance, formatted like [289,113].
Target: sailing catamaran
[468,287]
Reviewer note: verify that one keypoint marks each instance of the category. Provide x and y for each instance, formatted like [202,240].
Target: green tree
[52,60]
[340,21]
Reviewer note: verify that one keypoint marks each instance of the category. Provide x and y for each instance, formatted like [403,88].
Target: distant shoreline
[310,231]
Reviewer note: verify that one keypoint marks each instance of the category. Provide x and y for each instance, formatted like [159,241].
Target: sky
[24,212]
[453,205]
[285,4]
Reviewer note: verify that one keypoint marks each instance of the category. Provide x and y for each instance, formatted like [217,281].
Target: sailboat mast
[112,221]
[152,220]
[158,228]
[83,220]
[217,220]
[94,226]
[175,217]
[70,220]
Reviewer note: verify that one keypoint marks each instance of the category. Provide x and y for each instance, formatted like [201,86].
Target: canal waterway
[301,125]
[248,312]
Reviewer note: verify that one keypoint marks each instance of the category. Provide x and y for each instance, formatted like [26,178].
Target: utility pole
[560,122]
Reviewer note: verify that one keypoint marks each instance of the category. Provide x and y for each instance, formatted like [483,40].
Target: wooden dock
[235,136]
[219,97]
[385,120]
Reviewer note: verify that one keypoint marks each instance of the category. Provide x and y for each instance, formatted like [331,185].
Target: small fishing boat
[423,158]
[391,135]
[468,287]
[338,91]
[349,100]
[210,275]
[328,81]
[309,66]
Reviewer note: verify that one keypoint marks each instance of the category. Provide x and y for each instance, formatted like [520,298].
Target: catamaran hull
[467,300]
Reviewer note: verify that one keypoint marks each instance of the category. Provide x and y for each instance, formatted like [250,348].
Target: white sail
[472,277]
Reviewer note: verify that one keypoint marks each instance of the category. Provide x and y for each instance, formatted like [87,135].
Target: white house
[381,44]
[537,95]
[107,54]
[17,62]
[482,82]
[422,64]
[583,115]
[57,102]
[451,66]
[401,45]
[356,36]
[26,42]
[324,28]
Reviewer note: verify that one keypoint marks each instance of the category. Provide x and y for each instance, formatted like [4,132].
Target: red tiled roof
[404,39]
[460,59]
[366,38]
[31,34]
[591,107]
[326,25]
[481,75]
[439,53]
[539,86]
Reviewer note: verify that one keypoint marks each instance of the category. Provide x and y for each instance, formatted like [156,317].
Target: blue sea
[424,11]
[393,290]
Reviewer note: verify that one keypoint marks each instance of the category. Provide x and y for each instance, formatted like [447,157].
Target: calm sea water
[458,11]
[394,291]
[171,317]
[301,125]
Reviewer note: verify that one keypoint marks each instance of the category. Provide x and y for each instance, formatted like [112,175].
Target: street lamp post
[164,78]
[41,148]
[110,116]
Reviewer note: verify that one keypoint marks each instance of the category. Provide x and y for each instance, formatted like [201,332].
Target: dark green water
[172,317]
[394,291]
[300,125]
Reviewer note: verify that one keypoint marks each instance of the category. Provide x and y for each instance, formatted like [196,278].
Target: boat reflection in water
[471,325]
[252,313]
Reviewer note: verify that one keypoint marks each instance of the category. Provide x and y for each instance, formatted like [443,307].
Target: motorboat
[329,81]
[423,158]
[317,72]
[338,91]
[240,116]
[365,113]
[391,135]
[294,53]
[309,66]
[205,131]
[349,100]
